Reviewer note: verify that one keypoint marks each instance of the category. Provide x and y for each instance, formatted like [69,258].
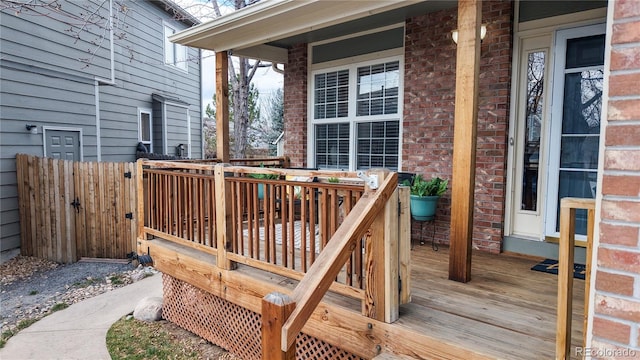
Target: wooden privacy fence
[70,210]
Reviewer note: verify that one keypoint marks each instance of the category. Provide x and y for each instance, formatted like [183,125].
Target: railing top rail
[578,203]
[293,172]
[316,282]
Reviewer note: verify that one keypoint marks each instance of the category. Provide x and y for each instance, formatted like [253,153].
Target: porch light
[483,33]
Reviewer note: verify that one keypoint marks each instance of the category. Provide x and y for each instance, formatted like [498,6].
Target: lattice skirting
[230,326]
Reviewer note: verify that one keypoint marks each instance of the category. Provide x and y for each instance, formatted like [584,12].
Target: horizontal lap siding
[141,72]
[45,82]
[52,102]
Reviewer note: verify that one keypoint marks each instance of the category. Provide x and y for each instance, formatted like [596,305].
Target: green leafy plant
[421,187]
[263,176]
[59,306]
[334,180]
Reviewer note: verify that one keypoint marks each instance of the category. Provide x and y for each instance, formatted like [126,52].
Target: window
[174,54]
[144,128]
[356,116]
[332,146]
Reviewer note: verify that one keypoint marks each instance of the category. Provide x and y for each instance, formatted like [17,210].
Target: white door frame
[57,128]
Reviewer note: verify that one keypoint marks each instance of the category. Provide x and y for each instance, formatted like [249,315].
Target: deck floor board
[506,310]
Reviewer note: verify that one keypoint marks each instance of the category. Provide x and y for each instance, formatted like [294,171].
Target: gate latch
[76,204]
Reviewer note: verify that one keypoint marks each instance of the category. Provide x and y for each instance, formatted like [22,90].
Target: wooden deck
[506,310]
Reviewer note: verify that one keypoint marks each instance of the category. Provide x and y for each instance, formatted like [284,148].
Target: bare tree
[239,78]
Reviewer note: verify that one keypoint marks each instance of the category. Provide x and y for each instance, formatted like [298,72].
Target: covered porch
[344,254]
[496,314]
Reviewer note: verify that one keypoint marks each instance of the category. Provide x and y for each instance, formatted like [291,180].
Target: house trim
[61,128]
[176,46]
[525,30]
[149,111]
[266,21]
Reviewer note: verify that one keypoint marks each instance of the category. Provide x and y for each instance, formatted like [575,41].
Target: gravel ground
[31,286]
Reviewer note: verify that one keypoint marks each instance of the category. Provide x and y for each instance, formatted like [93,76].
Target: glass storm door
[575,122]
[528,169]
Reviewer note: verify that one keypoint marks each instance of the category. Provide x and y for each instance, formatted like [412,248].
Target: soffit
[278,24]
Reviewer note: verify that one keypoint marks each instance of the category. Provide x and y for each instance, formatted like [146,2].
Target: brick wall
[429,114]
[616,322]
[295,106]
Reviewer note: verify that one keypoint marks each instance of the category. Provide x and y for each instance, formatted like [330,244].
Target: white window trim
[150,142]
[173,65]
[352,64]
[56,128]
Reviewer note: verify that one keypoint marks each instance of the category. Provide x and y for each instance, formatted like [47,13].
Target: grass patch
[58,307]
[133,340]
[33,292]
[116,280]
[6,335]
[86,282]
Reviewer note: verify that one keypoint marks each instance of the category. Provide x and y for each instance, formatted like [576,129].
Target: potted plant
[264,177]
[425,195]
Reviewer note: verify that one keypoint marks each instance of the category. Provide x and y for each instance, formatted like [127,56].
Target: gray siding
[42,100]
[140,72]
[45,80]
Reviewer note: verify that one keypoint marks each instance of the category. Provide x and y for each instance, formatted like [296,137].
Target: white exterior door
[555,141]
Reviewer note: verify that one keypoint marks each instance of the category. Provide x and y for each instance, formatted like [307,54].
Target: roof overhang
[253,30]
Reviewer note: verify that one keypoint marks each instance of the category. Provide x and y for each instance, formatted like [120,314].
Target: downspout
[101,81]
[112,80]
[202,139]
[98,140]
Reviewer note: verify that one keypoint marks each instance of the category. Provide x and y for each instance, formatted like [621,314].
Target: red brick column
[616,321]
[428,114]
[295,106]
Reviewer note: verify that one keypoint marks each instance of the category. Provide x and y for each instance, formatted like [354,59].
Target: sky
[266,80]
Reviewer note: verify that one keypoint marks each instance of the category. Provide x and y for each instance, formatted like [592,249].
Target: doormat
[551,266]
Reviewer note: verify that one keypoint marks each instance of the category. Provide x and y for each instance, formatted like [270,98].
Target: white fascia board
[269,21]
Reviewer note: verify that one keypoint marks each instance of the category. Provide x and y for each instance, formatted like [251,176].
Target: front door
[557,130]
[62,144]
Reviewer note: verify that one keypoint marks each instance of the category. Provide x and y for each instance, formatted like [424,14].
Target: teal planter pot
[423,208]
[261,191]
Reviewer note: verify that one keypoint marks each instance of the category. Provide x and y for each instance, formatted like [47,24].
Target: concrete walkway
[79,331]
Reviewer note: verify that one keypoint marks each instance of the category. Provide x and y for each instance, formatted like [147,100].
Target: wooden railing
[284,317]
[283,232]
[568,207]
[344,237]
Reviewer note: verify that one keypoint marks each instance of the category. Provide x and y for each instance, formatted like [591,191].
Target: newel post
[276,309]
[223,218]
[375,305]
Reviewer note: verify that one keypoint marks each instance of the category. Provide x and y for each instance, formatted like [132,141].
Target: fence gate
[70,210]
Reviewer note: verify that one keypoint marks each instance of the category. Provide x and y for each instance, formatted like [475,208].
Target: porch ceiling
[266,29]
